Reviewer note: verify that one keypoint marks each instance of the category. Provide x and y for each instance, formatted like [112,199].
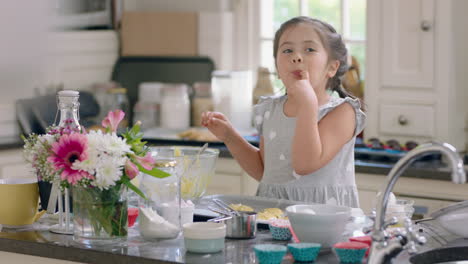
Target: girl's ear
[333,68]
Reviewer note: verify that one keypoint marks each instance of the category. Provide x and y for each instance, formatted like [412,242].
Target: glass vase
[100,216]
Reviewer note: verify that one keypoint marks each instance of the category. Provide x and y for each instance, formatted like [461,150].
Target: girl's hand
[218,124]
[299,86]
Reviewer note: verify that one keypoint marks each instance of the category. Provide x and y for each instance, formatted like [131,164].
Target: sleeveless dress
[334,183]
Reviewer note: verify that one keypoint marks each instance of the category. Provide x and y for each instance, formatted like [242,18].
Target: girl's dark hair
[332,42]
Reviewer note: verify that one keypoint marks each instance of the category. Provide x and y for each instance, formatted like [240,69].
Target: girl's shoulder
[334,102]
[270,100]
[354,102]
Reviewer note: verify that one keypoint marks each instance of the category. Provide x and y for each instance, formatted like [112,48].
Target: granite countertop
[40,242]
[36,240]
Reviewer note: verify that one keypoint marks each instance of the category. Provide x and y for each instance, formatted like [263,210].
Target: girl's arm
[249,157]
[316,143]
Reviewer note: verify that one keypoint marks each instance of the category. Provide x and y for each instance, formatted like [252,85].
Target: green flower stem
[104,209]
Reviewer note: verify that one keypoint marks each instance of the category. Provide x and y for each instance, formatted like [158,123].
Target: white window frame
[303,10]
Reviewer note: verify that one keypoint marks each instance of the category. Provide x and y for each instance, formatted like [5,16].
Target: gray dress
[334,183]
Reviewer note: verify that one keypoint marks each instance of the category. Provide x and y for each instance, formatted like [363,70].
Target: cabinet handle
[402,120]
[425,25]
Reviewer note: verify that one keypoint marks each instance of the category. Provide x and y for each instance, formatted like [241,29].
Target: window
[347,16]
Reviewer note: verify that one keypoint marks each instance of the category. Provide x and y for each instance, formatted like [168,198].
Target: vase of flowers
[99,167]
[99,214]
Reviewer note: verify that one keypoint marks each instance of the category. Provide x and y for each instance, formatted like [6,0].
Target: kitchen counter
[37,241]
[136,250]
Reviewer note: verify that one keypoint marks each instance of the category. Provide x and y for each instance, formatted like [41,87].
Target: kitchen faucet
[384,247]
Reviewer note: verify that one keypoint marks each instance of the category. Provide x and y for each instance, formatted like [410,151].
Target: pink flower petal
[131,169]
[146,162]
[65,152]
[113,119]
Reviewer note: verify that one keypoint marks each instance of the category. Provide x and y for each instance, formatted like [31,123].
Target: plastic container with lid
[175,106]
[148,108]
[201,101]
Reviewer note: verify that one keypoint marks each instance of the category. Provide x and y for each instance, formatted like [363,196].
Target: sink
[442,255]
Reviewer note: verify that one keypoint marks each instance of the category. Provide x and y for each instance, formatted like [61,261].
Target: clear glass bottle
[68,106]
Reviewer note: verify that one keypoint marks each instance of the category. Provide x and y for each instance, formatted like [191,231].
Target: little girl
[307,137]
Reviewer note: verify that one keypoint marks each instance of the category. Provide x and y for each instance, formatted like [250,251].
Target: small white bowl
[204,237]
[319,223]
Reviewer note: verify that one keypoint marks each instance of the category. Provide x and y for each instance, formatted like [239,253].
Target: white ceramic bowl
[204,237]
[319,223]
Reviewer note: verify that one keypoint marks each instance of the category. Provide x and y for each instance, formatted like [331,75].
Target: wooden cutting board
[159,34]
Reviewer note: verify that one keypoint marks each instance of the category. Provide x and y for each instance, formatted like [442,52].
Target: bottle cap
[68,93]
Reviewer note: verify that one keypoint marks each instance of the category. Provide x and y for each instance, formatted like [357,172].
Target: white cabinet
[408,43]
[428,195]
[415,82]
[230,178]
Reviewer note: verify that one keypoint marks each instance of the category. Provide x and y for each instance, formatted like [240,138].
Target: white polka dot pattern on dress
[259,119]
[282,157]
[267,114]
[272,135]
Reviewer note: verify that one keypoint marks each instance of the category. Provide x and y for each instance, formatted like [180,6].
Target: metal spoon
[197,156]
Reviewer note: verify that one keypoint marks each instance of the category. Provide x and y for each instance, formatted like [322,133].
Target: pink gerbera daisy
[66,151]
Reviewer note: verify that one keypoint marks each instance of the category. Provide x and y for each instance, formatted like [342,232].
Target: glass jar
[175,107]
[100,216]
[264,86]
[201,101]
[163,199]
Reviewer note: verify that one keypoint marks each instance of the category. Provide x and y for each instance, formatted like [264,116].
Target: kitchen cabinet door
[415,71]
[367,200]
[408,43]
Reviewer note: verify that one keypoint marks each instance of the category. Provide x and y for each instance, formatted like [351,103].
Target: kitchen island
[43,243]
[37,241]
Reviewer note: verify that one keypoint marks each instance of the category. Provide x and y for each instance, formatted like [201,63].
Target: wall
[23,49]
[227,28]
[461,67]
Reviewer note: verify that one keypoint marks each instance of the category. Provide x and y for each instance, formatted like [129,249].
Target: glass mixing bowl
[196,170]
